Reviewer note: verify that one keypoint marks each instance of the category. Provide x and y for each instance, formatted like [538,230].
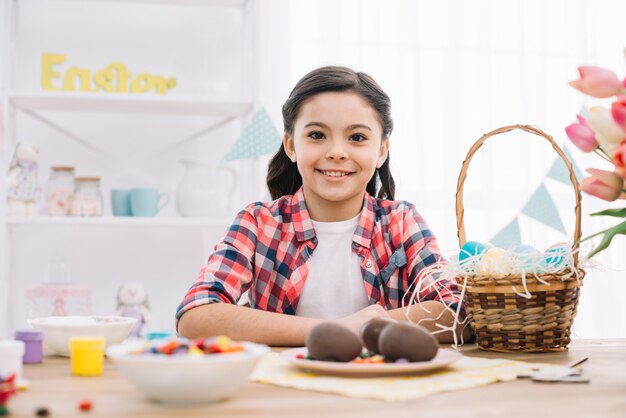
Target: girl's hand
[356,320]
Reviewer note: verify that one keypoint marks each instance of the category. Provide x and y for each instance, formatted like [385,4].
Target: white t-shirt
[334,285]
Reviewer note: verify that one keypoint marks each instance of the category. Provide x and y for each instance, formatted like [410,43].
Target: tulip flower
[618,110]
[608,133]
[582,135]
[597,82]
[619,158]
[606,185]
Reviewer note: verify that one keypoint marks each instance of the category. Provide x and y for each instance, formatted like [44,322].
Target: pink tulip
[603,184]
[597,82]
[618,110]
[608,132]
[582,135]
[619,158]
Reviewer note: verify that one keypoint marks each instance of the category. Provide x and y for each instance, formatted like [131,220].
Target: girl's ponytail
[283,177]
[382,176]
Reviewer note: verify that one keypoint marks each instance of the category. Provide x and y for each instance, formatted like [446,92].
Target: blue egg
[557,256]
[528,257]
[471,249]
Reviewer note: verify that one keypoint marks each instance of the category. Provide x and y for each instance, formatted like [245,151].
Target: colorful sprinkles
[364,358]
[199,347]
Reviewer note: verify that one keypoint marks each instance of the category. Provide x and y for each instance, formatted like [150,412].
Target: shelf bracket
[194,136]
[66,133]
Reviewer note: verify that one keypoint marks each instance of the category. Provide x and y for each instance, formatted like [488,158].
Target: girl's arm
[247,324]
[422,251]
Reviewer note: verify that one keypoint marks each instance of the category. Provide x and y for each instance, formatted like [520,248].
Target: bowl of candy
[182,371]
[59,329]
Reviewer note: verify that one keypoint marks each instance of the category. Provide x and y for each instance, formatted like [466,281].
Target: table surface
[53,386]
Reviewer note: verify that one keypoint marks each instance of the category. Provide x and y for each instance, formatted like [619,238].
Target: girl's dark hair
[283,177]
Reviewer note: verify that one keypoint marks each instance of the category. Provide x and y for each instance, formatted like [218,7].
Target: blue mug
[147,201]
[120,202]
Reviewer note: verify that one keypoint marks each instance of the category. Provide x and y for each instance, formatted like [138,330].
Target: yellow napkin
[468,372]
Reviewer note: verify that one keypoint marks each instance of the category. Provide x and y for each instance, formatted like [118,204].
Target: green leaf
[618,213]
[608,237]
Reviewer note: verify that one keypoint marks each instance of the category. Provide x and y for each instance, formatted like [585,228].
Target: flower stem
[594,235]
[602,153]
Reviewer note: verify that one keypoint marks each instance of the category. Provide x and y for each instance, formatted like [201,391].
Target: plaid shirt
[267,248]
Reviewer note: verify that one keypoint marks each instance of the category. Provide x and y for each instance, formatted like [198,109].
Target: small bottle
[11,353]
[87,355]
[33,344]
[87,199]
[60,190]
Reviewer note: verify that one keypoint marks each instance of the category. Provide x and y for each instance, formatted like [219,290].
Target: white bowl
[185,379]
[58,330]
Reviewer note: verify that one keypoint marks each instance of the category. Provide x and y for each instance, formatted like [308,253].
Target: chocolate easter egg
[404,340]
[370,331]
[330,341]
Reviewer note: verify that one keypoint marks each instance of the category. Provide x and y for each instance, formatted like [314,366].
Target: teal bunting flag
[542,208]
[510,235]
[259,137]
[559,171]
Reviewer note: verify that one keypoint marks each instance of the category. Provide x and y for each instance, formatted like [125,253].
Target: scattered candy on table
[42,411]
[85,405]
[7,389]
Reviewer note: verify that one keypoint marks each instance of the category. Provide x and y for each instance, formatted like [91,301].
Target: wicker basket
[501,319]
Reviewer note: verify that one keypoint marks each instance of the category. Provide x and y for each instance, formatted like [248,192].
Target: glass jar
[60,190]
[87,199]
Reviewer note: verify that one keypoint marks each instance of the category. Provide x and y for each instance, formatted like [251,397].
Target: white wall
[454,70]
[204,49]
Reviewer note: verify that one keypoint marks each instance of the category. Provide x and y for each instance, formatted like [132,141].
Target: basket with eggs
[519,298]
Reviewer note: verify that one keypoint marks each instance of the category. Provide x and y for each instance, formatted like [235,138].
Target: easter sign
[114,78]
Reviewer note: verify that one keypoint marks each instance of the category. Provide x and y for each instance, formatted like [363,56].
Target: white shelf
[111,221]
[225,4]
[127,103]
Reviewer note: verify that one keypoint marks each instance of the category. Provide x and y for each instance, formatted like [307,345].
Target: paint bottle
[87,355]
[33,344]
[11,353]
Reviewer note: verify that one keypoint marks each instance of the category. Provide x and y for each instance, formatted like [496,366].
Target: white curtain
[456,69]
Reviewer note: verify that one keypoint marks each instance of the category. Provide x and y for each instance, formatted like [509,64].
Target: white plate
[444,357]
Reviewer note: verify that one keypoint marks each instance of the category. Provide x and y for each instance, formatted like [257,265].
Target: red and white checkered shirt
[268,246]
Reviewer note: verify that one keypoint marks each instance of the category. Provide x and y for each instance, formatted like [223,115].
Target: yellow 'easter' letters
[114,78]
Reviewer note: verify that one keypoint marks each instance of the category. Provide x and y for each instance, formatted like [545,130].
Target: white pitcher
[206,190]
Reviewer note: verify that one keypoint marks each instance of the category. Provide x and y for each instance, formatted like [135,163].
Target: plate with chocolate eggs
[383,348]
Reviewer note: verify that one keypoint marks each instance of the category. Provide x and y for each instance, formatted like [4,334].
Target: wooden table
[52,386]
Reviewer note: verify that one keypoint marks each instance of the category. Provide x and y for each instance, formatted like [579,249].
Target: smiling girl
[333,245]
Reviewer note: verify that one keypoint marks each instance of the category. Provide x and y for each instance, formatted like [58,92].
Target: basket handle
[534,130]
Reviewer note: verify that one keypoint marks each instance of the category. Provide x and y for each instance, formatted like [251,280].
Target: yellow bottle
[87,355]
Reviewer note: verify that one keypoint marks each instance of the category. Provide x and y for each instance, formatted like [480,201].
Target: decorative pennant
[508,236]
[542,208]
[260,137]
[559,171]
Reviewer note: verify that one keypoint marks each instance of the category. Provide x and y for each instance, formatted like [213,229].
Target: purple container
[33,344]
